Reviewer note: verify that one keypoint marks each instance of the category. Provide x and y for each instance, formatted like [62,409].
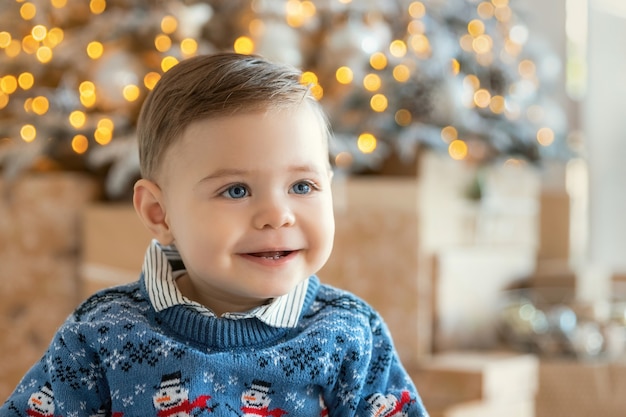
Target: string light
[8,84]
[545,136]
[397,48]
[5,39]
[458,150]
[150,79]
[26,80]
[168,62]
[401,73]
[379,103]
[244,45]
[344,75]
[372,82]
[169,24]
[28,133]
[367,143]
[378,61]
[28,11]
[77,119]
[95,49]
[40,105]
[162,42]
[80,144]
[417,10]
[97,6]
[130,92]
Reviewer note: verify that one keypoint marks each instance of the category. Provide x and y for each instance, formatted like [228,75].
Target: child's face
[248,202]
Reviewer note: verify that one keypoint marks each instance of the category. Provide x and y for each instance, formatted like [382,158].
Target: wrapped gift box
[493,380]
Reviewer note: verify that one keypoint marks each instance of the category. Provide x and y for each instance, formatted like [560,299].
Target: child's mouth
[275,255]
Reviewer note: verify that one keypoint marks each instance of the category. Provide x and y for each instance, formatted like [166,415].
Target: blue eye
[236,191]
[301,188]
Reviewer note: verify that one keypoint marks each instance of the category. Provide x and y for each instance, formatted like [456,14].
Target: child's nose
[274,212]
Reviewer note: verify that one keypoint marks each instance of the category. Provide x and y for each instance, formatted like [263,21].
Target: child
[228,317]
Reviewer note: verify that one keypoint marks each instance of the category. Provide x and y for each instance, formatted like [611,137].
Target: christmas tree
[457,76]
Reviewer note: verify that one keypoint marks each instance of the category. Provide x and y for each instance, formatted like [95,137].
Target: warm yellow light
[527,68]
[485,10]
[97,6]
[397,48]
[88,101]
[367,142]
[420,44]
[189,46]
[8,84]
[28,11]
[58,4]
[131,92]
[371,82]
[456,66]
[150,80]
[55,37]
[87,88]
[344,75]
[26,80]
[482,44]
[103,135]
[39,32]
[317,91]
[475,27]
[162,42]
[457,150]
[95,49]
[416,27]
[308,78]
[168,62]
[403,117]
[378,61]
[106,123]
[497,104]
[417,10]
[44,54]
[244,45]
[545,136]
[5,39]
[401,73]
[28,133]
[77,119]
[29,44]
[169,24]
[500,3]
[472,81]
[482,98]
[449,134]
[80,144]
[13,49]
[379,103]
[4,100]
[40,105]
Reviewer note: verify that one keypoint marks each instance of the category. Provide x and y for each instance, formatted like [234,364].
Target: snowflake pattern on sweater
[116,356]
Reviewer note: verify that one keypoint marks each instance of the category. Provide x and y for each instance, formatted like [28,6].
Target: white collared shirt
[163,264]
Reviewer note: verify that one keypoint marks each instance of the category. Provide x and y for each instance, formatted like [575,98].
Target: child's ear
[148,202]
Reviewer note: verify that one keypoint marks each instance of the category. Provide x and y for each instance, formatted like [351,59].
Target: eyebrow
[233,172]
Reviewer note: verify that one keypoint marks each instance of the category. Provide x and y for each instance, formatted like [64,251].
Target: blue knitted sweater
[117,356]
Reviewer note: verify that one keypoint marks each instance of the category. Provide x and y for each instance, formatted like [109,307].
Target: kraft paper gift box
[498,379]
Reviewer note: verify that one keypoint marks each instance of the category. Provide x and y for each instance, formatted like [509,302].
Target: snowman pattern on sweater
[172,398]
[256,400]
[41,403]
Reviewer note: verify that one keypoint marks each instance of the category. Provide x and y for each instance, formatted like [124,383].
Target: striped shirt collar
[163,264]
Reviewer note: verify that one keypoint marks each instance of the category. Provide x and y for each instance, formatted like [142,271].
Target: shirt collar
[162,264]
